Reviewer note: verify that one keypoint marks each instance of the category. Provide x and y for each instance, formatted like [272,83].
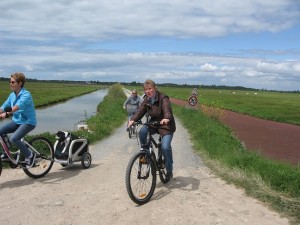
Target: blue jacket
[26,113]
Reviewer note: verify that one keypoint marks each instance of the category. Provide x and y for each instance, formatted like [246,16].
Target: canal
[67,115]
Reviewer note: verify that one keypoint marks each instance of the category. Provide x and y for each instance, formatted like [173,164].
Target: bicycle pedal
[5,160]
[143,160]
[22,164]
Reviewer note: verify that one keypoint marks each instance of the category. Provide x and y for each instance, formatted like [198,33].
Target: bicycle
[141,172]
[41,146]
[133,129]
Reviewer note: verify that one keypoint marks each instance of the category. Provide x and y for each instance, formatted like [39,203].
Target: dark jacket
[160,109]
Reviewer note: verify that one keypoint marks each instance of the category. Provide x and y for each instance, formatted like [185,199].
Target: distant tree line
[222,87]
[134,83]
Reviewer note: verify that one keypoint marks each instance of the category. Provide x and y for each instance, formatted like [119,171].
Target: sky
[249,43]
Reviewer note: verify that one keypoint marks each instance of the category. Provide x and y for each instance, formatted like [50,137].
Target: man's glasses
[12,82]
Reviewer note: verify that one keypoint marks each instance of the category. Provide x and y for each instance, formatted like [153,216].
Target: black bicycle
[141,172]
[133,129]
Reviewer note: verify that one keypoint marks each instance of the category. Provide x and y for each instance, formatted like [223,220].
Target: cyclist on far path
[23,116]
[132,103]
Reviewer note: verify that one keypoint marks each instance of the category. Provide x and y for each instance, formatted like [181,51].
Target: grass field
[276,106]
[46,93]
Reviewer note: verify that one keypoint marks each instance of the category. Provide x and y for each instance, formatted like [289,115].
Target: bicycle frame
[158,158]
[42,161]
[8,152]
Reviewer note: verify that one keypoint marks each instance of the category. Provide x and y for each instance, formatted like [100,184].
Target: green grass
[276,106]
[274,183]
[46,93]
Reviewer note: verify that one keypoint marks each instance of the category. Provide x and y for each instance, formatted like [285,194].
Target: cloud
[208,67]
[133,40]
[111,19]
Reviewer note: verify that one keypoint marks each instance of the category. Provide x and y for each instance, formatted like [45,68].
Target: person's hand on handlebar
[4,115]
[130,123]
[164,121]
[6,112]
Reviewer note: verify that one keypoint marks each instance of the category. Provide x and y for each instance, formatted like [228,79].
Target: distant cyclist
[132,104]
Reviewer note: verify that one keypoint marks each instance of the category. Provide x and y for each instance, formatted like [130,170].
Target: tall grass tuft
[273,182]
[110,115]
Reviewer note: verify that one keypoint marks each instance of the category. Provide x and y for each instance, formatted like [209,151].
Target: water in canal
[66,115]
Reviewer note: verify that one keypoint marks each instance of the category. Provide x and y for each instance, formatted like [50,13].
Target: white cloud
[208,67]
[110,19]
[69,39]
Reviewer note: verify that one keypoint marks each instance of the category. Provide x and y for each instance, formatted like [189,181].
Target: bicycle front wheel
[140,178]
[130,131]
[44,158]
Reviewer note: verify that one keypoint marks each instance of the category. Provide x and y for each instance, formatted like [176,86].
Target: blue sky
[246,43]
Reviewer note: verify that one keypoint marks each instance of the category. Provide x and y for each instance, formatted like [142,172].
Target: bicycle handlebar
[150,123]
[154,123]
[8,109]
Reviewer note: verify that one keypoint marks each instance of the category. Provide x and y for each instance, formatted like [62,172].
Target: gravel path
[98,195]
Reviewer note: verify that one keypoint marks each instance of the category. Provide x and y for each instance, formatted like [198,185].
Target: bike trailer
[69,148]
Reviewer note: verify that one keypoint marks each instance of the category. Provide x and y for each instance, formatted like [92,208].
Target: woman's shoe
[169,176]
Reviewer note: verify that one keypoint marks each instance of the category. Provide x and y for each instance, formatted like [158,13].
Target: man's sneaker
[4,157]
[30,161]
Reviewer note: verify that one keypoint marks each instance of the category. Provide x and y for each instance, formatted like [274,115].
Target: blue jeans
[165,146]
[19,131]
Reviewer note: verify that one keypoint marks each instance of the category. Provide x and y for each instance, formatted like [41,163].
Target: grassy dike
[275,183]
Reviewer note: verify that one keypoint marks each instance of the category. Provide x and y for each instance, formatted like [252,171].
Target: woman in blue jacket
[23,116]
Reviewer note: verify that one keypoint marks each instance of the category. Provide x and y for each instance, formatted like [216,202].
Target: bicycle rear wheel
[44,158]
[140,178]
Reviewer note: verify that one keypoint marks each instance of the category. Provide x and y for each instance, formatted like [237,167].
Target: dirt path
[98,195]
[278,141]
